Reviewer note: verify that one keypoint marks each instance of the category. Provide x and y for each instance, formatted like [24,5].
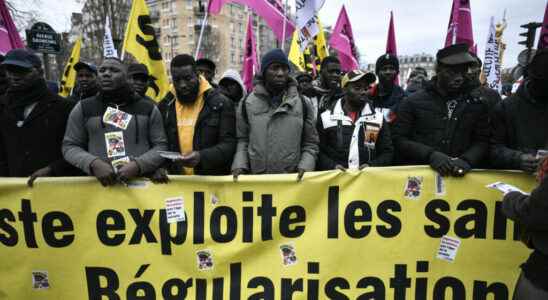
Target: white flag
[306,10]
[108,45]
[491,64]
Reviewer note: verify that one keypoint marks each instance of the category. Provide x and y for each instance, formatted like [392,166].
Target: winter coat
[37,142]
[387,103]
[273,140]
[214,133]
[423,125]
[343,142]
[519,125]
[85,138]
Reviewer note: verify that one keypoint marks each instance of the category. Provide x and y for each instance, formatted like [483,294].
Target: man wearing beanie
[32,121]
[442,125]
[275,125]
[199,121]
[386,94]
[520,122]
[115,135]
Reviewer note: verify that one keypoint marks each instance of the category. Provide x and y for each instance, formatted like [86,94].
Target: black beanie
[538,67]
[387,59]
[273,56]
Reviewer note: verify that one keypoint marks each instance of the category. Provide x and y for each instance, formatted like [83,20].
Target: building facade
[410,62]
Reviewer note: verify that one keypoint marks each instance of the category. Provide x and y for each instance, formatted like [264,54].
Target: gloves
[528,163]
[460,167]
[441,163]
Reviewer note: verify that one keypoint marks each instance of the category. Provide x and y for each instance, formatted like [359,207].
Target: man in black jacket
[352,134]
[32,121]
[3,78]
[387,95]
[442,125]
[520,122]
[199,121]
[328,85]
[86,82]
[487,95]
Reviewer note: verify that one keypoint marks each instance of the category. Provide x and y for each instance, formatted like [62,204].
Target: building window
[190,21]
[174,23]
[232,57]
[188,4]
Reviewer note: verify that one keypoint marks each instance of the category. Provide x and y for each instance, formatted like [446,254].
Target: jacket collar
[290,96]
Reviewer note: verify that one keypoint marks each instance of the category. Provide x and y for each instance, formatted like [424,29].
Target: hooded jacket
[519,126]
[274,140]
[235,76]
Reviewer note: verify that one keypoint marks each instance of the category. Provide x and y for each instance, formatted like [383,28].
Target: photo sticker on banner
[175,209]
[204,260]
[449,247]
[413,187]
[289,256]
[40,280]
[116,118]
[115,144]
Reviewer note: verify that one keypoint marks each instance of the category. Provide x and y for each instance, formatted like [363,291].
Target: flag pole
[204,22]
[285,25]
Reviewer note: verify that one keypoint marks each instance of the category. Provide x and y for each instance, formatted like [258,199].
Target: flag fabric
[296,55]
[342,40]
[460,25]
[269,10]
[306,10]
[308,58]
[9,37]
[140,41]
[543,40]
[491,64]
[69,74]
[320,44]
[109,50]
[391,47]
[251,63]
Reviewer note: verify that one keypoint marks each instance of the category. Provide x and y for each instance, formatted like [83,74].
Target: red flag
[452,28]
[342,39]
[460,25]
[9,37]
[251,63]
[214,6]
[391,40]
[543,40]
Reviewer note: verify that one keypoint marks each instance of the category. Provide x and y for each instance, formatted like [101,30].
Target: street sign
[42,38]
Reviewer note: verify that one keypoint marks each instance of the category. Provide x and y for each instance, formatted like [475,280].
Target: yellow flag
[295,54]
[320,43]
[140,41]
[69,75]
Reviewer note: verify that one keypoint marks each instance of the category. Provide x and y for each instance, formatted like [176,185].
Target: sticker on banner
[440,185]
[117,164]
[205,260]
[115,144]
[40,280]
[116,118]
[504,188]
[448,248]
[413,187]
[289,256]
[175,209]
[214,199]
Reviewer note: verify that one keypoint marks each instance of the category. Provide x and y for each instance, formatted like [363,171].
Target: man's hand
[528,163]
[128,171]
[363,166]
[236,173]
[300,174]
[191,160]
[340,168]
[39,173]
[441,163]
[160,176]
[103,172]
[460,167]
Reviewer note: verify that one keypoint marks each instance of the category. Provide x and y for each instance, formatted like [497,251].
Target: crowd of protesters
[290,122]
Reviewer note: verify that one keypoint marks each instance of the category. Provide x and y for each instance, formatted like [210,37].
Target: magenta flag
[543,40]
[391,40]
[251,63]
[9,37]
[342,39]
[460,25]
[269,10]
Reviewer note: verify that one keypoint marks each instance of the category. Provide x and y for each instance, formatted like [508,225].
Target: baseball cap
[137,69]
[356,75]
[81,65]
[22,58]
[455,55]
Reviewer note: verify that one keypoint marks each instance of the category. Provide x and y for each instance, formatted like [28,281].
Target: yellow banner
[140,41]
[384,233]
[69,75]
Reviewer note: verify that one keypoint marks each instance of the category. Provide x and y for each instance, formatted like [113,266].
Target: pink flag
[460,25]
[9,37]
[342,39]
[391,40]
[543,40]
[269,10]
[251,63]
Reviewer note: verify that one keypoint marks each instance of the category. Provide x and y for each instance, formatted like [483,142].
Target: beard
[188,97]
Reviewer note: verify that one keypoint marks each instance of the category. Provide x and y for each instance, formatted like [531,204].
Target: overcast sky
[421,25]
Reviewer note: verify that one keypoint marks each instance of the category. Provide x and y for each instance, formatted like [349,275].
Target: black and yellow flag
[140,41]
[69,74]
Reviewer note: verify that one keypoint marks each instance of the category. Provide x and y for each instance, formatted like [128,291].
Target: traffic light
[529,34]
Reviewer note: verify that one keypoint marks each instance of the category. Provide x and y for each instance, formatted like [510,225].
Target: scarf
[19,100]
